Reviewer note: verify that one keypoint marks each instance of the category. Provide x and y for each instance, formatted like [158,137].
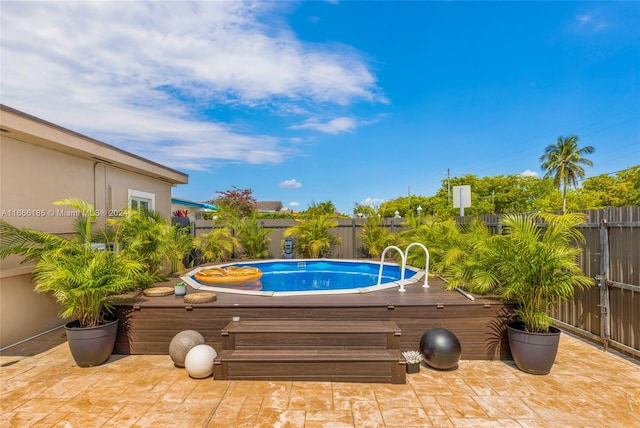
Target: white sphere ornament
[182,343]
[199,361]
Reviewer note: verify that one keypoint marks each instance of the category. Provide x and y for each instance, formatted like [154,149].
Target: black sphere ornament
[441,349]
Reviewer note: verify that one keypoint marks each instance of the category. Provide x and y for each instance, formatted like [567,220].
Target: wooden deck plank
[375,366]
[308,355]
[309,326]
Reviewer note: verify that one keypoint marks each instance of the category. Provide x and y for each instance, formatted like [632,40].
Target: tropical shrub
[178,248]
[533,264]
[312,238]
[434,232]
[458,247]
[239,202]
[375,236]
[83,280]
[253,238]
[317,209]
[148,237]
[218,245]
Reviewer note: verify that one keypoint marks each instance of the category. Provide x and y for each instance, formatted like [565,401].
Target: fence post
[602,281]
[353,238]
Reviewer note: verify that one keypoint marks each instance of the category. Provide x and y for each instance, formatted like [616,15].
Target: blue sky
[352,102]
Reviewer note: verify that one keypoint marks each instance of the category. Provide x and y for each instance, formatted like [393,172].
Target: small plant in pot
[83,280]
[180,289]
[413,359]
[534,265]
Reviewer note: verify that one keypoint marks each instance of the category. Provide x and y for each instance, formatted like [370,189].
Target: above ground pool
[305,276]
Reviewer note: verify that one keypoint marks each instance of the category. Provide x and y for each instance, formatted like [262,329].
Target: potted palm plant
[83,280]
[534,265]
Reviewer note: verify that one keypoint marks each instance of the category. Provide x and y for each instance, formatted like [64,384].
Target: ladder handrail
[393,247]
[426,266]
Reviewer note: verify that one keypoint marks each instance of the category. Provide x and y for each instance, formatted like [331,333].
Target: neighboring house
[196,209]
[269,206]
[41,163]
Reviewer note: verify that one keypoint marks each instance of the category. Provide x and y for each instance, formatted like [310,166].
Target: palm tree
[563,161]
[217,245]
[146,236]
[457,249]
[326,208]
[534,264]
[375,236]
[252,236]
[83,280]
[312,237]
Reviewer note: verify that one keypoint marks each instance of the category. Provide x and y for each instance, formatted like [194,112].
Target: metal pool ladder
[404,256]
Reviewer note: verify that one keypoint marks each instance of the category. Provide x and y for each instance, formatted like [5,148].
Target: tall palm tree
[563,161]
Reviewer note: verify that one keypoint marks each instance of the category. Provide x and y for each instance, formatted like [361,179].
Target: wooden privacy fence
[348,230]
[608,313]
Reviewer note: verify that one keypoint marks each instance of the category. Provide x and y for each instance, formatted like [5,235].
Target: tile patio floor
[586,388]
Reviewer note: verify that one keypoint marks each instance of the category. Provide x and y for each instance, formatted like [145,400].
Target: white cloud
[372,202]
[335,126]
[588,21]
[137,74]
[294,204]
[583,19]
[290,184]
[529,173]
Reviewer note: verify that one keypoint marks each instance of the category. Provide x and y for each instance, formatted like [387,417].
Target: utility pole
[448,187]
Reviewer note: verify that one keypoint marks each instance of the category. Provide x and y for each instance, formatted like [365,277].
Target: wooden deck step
[311,334]
[326,365]
[311,350]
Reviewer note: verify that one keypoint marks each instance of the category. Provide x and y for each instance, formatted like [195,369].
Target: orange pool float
[228,275]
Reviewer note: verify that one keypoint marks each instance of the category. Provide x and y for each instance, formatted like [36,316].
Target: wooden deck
[147,324]
[311,350]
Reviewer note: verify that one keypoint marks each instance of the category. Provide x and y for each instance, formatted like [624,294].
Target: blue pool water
[318,275]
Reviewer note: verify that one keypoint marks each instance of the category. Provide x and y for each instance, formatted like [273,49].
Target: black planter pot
[91,346]
[533,352]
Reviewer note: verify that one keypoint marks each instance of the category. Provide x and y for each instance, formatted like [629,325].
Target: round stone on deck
[199,361]
[182,343]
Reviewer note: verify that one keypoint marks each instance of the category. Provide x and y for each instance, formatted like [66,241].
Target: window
[142,200]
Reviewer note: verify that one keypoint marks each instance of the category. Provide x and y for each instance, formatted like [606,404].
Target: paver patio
[587,387]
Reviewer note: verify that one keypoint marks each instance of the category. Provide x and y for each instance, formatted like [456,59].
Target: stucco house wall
[40,163]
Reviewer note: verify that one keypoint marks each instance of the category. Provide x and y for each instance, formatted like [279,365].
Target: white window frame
[139,196]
